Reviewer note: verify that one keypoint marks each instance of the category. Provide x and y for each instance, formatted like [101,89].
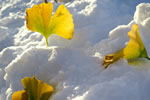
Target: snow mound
[52,62]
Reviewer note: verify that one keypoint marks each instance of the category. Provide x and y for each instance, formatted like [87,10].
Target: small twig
[45,1]
[56,1]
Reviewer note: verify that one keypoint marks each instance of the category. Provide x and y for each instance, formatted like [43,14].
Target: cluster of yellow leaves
[33,90]
[134,49]
[39,19]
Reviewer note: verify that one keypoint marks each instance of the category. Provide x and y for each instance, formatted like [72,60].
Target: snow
[74,67]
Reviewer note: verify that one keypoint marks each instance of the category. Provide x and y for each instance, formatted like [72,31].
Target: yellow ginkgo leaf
[39,19]
[33,90]
[134,49]
[62,23]
[36,89]
[20,95]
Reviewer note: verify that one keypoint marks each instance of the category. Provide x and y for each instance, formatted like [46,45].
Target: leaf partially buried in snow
[33,90]
[39,19]
[134,49]
[20,95]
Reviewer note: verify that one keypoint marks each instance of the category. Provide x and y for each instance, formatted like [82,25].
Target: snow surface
[74,67]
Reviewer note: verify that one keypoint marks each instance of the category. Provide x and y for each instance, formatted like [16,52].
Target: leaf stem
[46,41]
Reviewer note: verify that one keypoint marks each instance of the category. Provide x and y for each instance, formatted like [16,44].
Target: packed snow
[74,67]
